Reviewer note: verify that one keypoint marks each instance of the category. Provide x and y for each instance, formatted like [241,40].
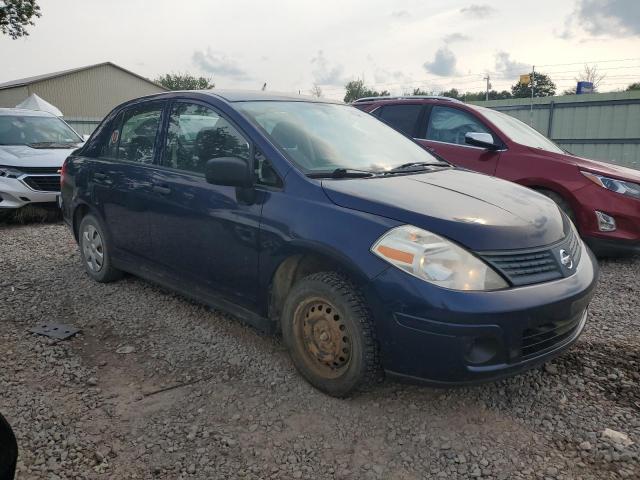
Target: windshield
[31,130]
[323,137]
[518,131]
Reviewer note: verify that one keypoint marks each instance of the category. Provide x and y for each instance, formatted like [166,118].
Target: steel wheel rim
[322,337]
[93,248]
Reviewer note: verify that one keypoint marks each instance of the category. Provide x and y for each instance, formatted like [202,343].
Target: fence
[84,126]
[603,126]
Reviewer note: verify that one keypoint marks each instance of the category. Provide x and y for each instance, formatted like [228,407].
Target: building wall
[10,97]
[599,126]
[84,97]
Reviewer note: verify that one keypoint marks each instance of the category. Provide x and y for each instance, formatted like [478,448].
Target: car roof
[23,112]
[406,99]
[233,96]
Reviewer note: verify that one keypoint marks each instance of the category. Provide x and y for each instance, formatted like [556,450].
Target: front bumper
[15,193]
[445,337]
[626,212]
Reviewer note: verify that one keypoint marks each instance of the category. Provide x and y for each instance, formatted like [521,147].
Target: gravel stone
[200,395]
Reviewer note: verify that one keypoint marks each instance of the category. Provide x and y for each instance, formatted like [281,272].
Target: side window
[401,117]
[138,133]
[450,125]
[196,134]
[109,143]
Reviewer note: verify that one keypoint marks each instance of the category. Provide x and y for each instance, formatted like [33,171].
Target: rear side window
[109,145]
[197,134]
[401,117]
[450,125]
[137,136]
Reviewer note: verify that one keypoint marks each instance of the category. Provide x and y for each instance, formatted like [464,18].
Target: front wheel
[330,336]
[95,251]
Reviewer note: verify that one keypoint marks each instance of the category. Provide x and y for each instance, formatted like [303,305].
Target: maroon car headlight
[622,187]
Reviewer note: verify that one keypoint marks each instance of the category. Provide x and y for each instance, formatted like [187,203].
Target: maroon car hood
[606,169]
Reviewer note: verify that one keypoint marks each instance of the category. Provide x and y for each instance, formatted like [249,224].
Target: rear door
[205,233]
[122,176]
[444,132]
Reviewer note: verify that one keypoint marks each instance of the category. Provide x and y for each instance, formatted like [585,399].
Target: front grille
[44,183]
[526,267]
[541,337]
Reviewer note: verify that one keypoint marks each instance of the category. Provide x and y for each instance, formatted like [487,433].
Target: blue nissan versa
[313,218]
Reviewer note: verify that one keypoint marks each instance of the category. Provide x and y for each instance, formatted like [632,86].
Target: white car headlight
[436,260]
[9,172]
[619,186]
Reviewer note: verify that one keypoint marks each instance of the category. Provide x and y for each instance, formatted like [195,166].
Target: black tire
[96,259]
[330,334]
[561,202]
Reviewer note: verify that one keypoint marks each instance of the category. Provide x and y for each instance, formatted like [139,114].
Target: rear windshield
[36,131]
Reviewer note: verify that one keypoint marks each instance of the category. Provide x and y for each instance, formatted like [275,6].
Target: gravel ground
[195,394]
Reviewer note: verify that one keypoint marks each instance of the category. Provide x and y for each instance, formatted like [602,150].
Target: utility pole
[533,86]
[486,95]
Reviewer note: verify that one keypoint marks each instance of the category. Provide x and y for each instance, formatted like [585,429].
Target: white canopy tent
[34,102]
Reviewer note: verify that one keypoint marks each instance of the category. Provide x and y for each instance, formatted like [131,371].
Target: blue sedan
[313,219]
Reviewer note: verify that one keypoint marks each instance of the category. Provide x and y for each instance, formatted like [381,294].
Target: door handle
[161,189]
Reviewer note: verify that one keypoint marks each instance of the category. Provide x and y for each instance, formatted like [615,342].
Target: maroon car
[602,199]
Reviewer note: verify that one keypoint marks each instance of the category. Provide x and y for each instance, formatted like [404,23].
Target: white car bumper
[16,193]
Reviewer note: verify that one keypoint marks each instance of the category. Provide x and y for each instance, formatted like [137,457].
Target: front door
[204,233]
[445,132]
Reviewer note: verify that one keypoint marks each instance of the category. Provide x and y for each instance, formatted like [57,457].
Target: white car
[33,146]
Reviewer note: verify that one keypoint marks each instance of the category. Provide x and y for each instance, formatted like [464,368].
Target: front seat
[295,142]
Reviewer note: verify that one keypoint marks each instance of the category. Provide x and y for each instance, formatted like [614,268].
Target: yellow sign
[525,79]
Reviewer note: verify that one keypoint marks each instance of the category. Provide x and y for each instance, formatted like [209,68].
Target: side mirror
[482,140]
[231,171]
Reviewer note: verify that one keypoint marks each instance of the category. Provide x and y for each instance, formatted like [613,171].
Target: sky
[394,45]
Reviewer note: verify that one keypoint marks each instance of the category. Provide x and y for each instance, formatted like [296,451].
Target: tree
[184,81]
[544,87]
[356,89]
[633,86]
[591,74]
[453,93]
[15,15]
[419,91]
[316,91]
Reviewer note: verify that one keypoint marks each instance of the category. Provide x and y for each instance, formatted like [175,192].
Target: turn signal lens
[436,260]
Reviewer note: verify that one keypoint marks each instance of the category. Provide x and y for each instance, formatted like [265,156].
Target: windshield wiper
[415,167]
[51,144]
[342,173]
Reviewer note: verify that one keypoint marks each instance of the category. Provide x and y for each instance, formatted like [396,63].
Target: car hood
[25,156]
[605,169]
[480,212]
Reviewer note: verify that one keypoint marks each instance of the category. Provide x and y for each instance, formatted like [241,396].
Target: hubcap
[92,248]
[323,337]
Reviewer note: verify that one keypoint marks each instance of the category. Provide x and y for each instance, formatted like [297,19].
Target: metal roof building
[84,95]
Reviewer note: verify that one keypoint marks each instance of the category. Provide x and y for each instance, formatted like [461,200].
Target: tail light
[63,172]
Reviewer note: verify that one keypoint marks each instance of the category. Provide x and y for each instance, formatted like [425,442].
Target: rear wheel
[95,251]
[329,333]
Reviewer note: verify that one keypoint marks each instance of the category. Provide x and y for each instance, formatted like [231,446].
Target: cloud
[508,68]
[324,73]
[456,37]
[618,18]
[401,14]
[219,64]
[443,64]
[479,11]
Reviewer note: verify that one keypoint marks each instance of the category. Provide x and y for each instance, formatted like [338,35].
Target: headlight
[9,172]
[436,260]
[619,186]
